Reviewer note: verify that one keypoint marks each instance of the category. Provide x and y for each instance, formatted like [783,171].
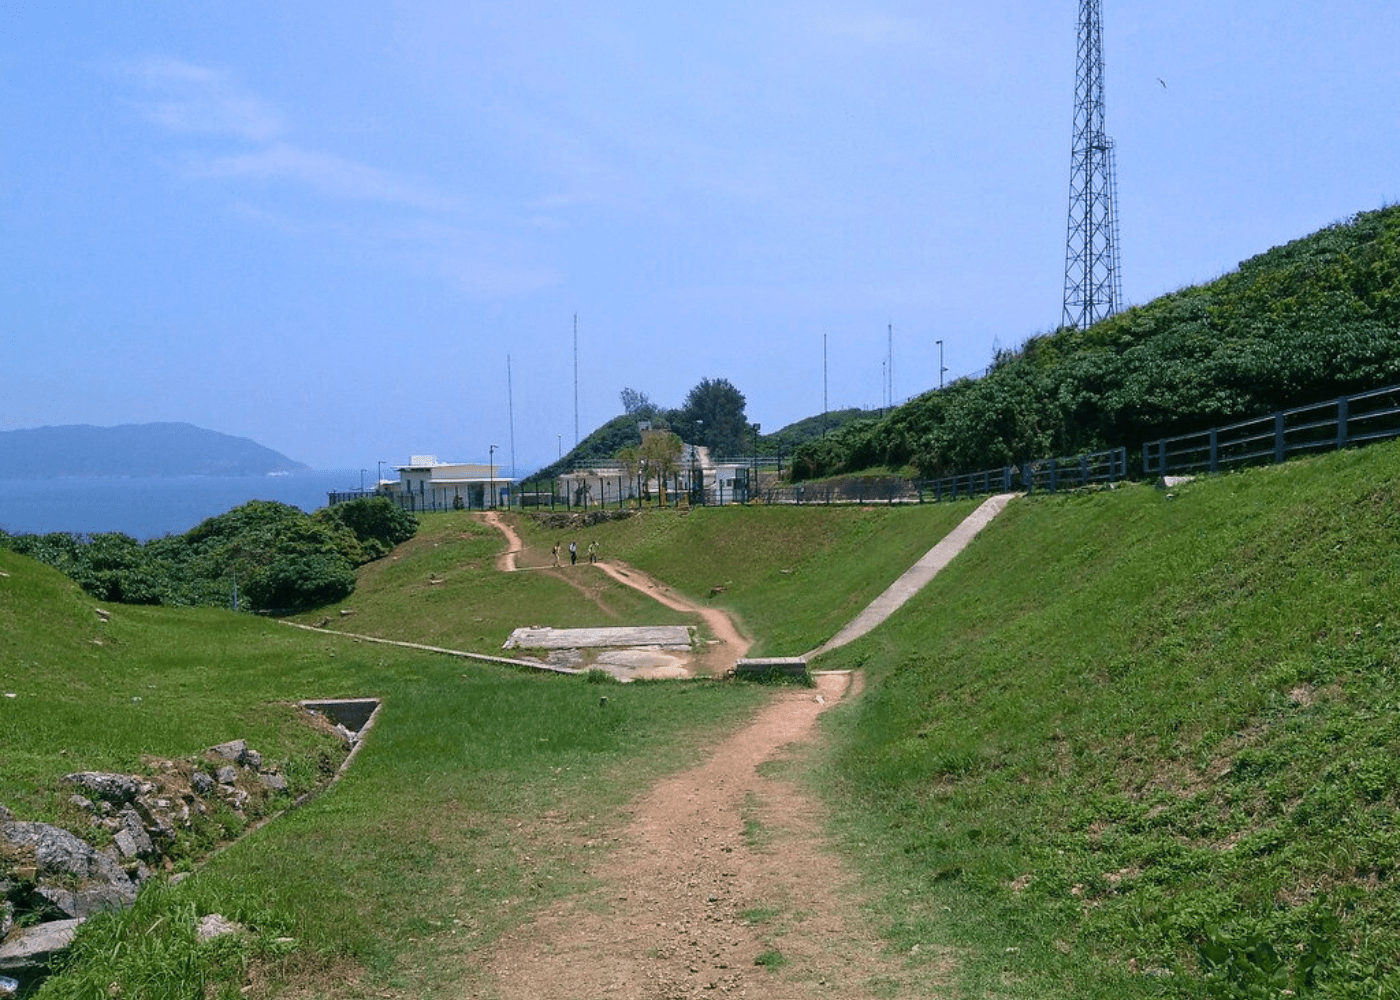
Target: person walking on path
[593,551]
[573,553]
[556,554]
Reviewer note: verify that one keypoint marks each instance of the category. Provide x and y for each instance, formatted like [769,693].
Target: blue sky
[326,226]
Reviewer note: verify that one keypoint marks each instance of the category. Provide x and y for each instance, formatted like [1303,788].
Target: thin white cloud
[331,176]
[185,98]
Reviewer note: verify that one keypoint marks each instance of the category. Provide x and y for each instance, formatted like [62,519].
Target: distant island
[161,449]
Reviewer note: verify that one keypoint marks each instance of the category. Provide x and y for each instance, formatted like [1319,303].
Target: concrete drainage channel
[355,716]
[26,951]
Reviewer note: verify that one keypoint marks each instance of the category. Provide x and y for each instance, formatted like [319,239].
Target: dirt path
[722,884]
[729,645]
[505,562]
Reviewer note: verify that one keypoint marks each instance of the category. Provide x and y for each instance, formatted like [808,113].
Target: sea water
[148,508]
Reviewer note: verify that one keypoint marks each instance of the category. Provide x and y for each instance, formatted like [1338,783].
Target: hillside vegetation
[1307,321]
[262,555]
[1137,743]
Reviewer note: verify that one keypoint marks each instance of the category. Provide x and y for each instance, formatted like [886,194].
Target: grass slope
[442,588]
[479,798]
[1147,744]
[793,576]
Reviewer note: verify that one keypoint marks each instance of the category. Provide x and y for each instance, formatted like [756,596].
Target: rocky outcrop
[53,875]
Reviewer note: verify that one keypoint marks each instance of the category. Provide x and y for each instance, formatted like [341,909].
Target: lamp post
[380,477]
[362,479]
[941,369]
[493,475]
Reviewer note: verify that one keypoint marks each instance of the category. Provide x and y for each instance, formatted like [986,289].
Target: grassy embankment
[482,794]
[1146,744]
[791,576]
[442,588]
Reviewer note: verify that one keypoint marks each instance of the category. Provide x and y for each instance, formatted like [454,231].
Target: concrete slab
[914,578]
[676,637]
[634,664]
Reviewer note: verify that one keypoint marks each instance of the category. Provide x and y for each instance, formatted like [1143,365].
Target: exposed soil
[721,884]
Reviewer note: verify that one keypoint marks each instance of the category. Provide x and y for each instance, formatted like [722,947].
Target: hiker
[556,554]
[593,551]
[573,553]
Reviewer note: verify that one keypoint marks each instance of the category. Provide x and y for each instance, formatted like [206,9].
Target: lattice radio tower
[1093,287]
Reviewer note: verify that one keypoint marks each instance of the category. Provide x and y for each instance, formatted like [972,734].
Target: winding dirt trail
[723,882]
[730,645]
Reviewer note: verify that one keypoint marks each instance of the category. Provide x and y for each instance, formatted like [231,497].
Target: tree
[636,404]
[661,453]
[632,461]
[713,415]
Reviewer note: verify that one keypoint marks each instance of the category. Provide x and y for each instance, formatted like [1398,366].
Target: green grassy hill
[1138,743]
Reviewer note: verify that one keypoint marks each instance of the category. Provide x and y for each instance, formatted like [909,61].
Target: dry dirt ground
[721,884]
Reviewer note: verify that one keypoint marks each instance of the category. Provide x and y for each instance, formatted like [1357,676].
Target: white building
[436,485]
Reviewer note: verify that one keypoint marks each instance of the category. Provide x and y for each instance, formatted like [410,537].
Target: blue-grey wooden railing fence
[1340,423]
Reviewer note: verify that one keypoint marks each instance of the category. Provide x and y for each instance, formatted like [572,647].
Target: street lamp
[362,479]
[380,478]
[493,475]
[941,369]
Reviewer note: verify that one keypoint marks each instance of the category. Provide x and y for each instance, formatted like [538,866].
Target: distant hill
[162,449]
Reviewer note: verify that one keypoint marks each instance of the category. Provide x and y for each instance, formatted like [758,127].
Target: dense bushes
[274,556]
[1307,321]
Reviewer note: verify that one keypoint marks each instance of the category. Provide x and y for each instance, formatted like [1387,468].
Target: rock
[251,759]
[274,782]
[59,853]
[134,825]
[215,925]
[118,789]
[86,901]
[7,918]
[31,948]
[232,750]
[227,774]
[201,783]
[126,843]
[82,802]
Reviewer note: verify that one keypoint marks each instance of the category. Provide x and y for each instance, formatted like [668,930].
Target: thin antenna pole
[890,354]
[825,409]
[510,410]
[576,439]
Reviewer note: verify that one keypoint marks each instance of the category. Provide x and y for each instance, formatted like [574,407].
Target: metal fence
[1350,420]
[684,489]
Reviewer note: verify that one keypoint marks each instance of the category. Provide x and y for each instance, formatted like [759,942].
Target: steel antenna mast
[1093,287]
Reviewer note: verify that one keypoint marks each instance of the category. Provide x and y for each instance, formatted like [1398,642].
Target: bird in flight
[1162,82]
